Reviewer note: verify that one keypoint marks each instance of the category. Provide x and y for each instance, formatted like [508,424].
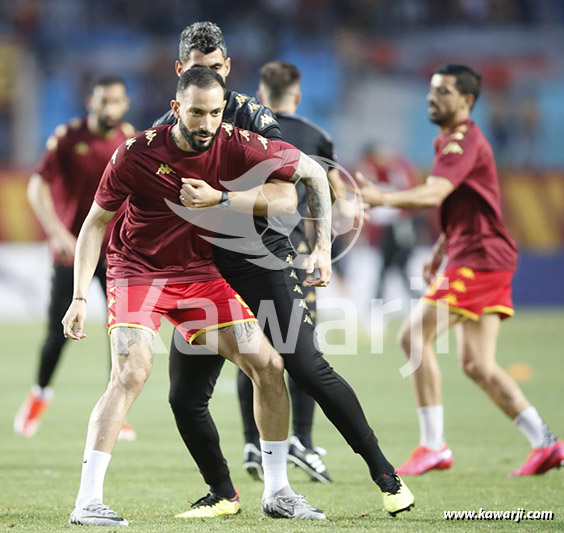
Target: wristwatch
[225,202]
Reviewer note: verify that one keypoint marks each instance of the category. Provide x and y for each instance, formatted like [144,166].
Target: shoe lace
[389,483]
[209,500]
[100,508]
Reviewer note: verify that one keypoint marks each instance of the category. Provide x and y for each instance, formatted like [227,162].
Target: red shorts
[193,308]
[471,293]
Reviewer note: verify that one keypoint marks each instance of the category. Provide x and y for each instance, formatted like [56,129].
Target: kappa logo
[265,120]
[165,169]
[453,148]
[150,135]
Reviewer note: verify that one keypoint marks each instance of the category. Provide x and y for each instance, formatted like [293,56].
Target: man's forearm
[419,197]
[88,248]
[87,254]
[39,197]
[274,198]
[318,195]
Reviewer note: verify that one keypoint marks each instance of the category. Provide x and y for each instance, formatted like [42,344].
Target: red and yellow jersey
[150,241]
[73,164]
[471,216]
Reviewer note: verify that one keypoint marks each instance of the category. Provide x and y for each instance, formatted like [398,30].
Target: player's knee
[185,404]
[478,372]
[130,379]
[268,369]
[404,339]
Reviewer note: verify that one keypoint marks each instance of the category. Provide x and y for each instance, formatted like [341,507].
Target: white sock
[431,427]
[274,454]
[43,393]
[533,427]
[94,466]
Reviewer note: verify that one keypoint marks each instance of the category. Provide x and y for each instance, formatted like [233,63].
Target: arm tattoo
[318,196]
[124,338]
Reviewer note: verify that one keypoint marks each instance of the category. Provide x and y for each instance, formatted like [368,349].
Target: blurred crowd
[335,43]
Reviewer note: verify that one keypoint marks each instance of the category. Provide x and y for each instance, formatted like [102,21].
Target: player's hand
[63,244]
[371,194]
[197,194]
[76,314]
[319,258]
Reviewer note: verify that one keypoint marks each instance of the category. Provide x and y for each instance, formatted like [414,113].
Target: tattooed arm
[312,175]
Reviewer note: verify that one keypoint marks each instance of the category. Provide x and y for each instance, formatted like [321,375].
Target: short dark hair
[201,77]
[202,36]
[106,81]
[279,76]
[468,81]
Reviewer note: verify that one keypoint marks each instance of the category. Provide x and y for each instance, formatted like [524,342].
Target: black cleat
[308,460]
[252,461]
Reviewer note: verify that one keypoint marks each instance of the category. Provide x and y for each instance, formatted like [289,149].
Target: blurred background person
[61,192]
[392,231]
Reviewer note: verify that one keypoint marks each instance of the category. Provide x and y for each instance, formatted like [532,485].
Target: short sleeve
[49,167]
[115,185]
[254,159]
[455,157]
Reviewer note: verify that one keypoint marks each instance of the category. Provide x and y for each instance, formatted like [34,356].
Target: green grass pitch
[150,480]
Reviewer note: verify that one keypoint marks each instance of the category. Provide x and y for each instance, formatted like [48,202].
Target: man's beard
[106,124]
[440,118]
[196,145]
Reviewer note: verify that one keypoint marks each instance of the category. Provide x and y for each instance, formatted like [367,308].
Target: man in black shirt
[280,91]
[193,375]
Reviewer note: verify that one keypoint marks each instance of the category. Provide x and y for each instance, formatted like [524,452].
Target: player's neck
[288,107]
[451,124]
[178,139]
[95,129]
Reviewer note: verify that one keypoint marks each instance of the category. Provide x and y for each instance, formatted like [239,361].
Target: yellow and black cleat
[212,506]
[395,494]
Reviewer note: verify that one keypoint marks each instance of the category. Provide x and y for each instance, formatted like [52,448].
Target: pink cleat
[28,417]
[423,459]
[541,460]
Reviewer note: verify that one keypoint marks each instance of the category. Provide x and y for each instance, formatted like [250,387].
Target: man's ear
[175,105]
[228,66]
[298,98]
[470,100]
[178,67]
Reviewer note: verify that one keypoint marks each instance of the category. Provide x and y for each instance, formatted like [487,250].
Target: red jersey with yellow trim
[73,165]
[471,216]
[150,241]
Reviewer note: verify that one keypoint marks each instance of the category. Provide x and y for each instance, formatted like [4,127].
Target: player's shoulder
[65,133]
[165,120]
[127,129]
[460,138]
[259,116]
[243,137]
[311,127]
[152,139]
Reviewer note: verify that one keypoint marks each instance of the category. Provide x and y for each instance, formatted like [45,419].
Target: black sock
[224,489]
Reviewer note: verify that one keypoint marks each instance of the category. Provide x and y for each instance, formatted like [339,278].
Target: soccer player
[193,378]
[161,265]
[476,285]
[279,90]
[60,193]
